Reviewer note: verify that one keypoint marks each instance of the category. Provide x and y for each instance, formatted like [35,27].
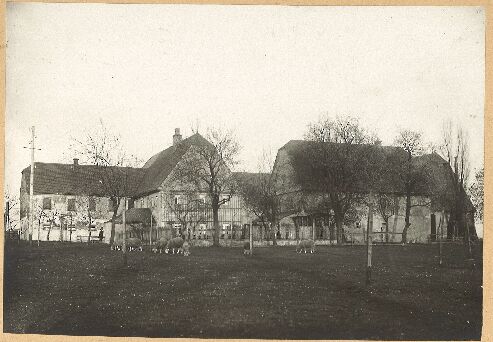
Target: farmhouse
[314,179]
[312,182]
[70,197]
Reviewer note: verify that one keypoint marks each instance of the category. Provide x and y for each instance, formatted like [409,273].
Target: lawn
[80,289]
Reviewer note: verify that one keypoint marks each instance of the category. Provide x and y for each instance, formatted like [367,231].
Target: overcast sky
[264,71]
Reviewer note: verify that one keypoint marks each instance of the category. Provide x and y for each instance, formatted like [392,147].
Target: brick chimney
[76,161]
[176,137]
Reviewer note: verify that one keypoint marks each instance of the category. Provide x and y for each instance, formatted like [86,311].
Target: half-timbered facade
[72,194]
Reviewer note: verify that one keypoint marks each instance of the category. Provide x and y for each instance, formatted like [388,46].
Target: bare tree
[104,150]
[188,209]
[208,167]
[258,191]
[11,203]
[89,211]
[342,159]
[477,193]
[455,149]
[386,208]
[410,175]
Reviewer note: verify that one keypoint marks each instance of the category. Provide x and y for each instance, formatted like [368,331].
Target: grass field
[75,289]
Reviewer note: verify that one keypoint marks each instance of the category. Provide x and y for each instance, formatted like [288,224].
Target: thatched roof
[311,161]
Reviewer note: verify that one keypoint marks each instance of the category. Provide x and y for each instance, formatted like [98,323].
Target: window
[201,199]
[110,205]
[179,199]
[226,199]
[47,203]
[383,227]
[92,204]
[177,228]
[71,204]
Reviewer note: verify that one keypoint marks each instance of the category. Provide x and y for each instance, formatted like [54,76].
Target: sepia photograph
[244,172]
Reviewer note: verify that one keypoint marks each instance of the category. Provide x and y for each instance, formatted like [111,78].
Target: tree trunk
[263,232]
[89,225]
[339,231]
[112,233]
[338,216]
[116,204]
[461,224]
[331,231]
[274,237]
[407,219]
[215,217]
[61,231]
[467,238]
[339,220]
[396,216]
[386,229]
[49,231]
[296,229]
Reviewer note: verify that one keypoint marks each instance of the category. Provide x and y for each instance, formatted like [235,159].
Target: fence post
[251,237]
[150,234]
[368,241]
[124,223]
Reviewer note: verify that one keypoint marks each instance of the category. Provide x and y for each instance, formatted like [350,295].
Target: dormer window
[179,199]
[92,204]
[47,203]
[71,204]
[225,199]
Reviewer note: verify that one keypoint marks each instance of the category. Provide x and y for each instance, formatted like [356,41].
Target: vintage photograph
[246,172]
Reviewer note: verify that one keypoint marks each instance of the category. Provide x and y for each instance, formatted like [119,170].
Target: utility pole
[71,227]
[39,226]
[369,232]
[31,190]
[231,236]
[31,187]
[440,227]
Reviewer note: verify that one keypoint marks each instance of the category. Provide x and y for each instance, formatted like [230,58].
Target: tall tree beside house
[411,175]
[87,211]
[188,209]
[104,150]
[255,191]
[208,167]
[477,193]
[258,191]
[10,218]
[344,163]
[386,208]
[455,150]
